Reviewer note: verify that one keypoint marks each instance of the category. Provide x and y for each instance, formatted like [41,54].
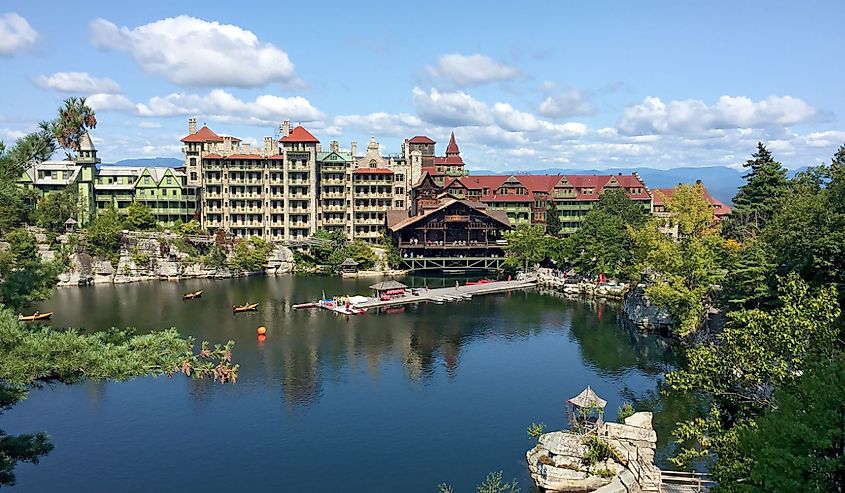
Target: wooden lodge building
[451,234]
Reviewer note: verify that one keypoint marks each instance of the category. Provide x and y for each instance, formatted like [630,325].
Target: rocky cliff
[146,257]
[643,313]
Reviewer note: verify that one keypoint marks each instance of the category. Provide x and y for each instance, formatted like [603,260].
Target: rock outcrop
[557,463]
[643,313]
[148,257]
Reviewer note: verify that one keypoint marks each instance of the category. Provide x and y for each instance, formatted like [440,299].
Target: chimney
[246,147]
[354,149]
[192,126]
[285,128]
[319,147]
[334,146]
[268,146]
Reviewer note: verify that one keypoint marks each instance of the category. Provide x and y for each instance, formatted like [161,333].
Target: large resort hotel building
[291,187]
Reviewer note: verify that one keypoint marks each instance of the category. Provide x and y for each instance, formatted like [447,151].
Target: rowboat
[304,305]
[249,307]
[35,316]
[192,295]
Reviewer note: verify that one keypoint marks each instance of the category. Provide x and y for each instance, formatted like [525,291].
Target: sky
[524,85]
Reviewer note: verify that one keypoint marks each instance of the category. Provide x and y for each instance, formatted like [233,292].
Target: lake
[382,402]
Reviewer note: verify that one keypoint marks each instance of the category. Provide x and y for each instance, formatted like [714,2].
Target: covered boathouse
[454,235]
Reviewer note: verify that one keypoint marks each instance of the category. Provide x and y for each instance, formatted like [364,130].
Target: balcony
[334,221]
[454,245]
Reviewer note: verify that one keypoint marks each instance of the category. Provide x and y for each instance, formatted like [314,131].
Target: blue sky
[524,85]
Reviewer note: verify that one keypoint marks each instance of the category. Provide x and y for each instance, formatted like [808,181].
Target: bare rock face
[80,271]
[640,310]
[557,462]
[280,261]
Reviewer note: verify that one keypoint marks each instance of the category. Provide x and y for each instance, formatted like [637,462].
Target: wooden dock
[450,294]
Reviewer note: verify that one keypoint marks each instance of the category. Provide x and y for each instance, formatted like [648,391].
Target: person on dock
[456,285]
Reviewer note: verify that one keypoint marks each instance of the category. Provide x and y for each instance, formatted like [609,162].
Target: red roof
[420,139]
[452,148]
[204,134]
[212,156]
[244,156]
[373,171]
[277,157]
[299,134]
[546,184]
[661,195]
[448,161]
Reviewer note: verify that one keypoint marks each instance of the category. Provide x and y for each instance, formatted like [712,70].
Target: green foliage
[55,208]
[553,224]
[758,351]
[535,430]
[603,244]
[105,235]
[747,284]
[493,483]
[139,257]
[25,277]
[605,473]
[74,119]
[358,250]
[626,410]
[797,445]
[250,254]
[215,258]
[332,241]
[392,255]
[139,217]
[597,450]
[760,198]
[684,271]
[525,246]
[191,228]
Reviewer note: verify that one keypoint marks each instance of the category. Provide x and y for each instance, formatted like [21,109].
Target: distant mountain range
[721,181]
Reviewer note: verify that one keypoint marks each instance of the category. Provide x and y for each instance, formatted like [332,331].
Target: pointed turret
[452,148]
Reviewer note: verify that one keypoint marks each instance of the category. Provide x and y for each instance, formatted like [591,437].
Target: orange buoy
[261,337]
[261,330]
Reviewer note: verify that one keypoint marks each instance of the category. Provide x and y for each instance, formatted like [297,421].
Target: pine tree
[759,199]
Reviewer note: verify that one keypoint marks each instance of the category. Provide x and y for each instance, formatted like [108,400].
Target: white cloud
[161,150]
[217,105]
[15,34]
[471,70]
[690,115]
[194,52]
[10,135]
[827,138]
[450,108]
[378,124]
[78,82]
[111,102]
[569,103]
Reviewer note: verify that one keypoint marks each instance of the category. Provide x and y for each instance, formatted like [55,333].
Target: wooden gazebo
[348,266]
[585,411]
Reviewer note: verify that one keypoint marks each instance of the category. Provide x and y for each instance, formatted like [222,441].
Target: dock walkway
[440,295]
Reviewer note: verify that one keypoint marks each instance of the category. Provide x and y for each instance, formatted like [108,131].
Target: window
[373,163]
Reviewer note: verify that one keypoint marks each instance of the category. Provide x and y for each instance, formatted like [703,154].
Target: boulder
[641,419]
[633,434]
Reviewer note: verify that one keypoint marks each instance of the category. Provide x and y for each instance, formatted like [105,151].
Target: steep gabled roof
[452,148]
[299,134]
[500,216]
[204,134]
[85,143]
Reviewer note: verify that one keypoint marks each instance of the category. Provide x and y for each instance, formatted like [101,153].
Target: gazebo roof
[349,262]
[386,285]
[587,398]
[70,221]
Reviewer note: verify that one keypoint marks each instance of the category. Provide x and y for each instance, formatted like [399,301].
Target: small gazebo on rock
[585,411]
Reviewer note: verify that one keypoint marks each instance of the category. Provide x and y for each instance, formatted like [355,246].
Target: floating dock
[450,294]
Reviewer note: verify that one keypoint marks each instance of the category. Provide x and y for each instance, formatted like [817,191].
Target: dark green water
[376,403]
